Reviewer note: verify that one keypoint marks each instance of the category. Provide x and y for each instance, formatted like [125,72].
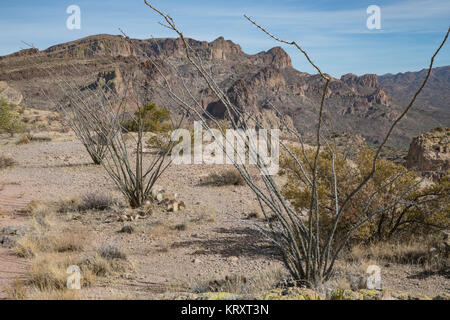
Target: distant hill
[364,105]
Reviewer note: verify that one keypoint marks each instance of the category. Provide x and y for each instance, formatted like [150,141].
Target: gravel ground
[171,251]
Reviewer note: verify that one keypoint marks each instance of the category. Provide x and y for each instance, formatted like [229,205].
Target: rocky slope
[366,105]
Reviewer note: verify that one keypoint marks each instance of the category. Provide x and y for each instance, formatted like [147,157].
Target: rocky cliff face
[253,82]
[430,152]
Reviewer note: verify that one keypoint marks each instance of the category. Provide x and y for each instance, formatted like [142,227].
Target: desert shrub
[96,201]
[41,138]
[39,241]
[66,205]
[68,242]
[160,141]
[96,264]
[24,138]
[9,119]
[429,252]
[17,290]
[112,251]
[225,178]
[241,284]
[420,209]
[6,161]
[48,272]
[154,119]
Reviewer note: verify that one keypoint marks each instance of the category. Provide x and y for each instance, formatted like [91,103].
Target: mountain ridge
[364,104]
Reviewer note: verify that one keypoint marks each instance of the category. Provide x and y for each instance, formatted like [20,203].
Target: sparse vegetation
[421,210]
[112,251]
[96,201]
[154,119]
[6,161]
[241,284]
[311,232]
[225,178]
[9,119]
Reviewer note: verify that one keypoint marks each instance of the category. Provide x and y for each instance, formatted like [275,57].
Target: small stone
[127,229]
[233,259]
[197,261]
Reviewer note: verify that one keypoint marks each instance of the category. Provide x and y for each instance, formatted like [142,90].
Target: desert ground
[209,249]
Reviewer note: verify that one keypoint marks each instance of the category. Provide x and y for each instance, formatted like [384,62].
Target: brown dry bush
[429,252]
[96,201]
[17,290]
[240,284]
[24,139]
[225,178]
[112,251]
[6,161]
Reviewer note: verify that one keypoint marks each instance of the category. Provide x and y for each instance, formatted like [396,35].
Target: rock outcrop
[430,152]
[9,95]
[254,82]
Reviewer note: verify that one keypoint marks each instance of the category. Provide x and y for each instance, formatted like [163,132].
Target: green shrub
[153,119]
[421,210]
[9,119]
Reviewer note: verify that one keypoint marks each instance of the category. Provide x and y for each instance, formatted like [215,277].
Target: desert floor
[173,254]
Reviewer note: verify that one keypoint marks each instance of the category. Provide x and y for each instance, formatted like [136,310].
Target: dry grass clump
[29,246]
[37,209]
[180,227]
[38,242]
[96,201]
[90,201]
[99,266]
[225,178]
[428,253]
[240,284]
[17,290]
[68,242]
[24,138]
[69,204]
[53,247]
[112,251]
[41,138]
[48,272]
[6,161]
[54,294]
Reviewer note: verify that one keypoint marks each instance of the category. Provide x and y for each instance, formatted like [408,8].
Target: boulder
[9,94]
[429,153]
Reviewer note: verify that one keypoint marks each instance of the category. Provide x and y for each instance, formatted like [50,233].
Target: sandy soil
[214,242]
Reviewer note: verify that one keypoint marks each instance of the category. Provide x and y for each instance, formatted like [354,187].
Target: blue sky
[334,32]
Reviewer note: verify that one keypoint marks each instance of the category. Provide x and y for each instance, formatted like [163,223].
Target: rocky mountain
[365,105]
